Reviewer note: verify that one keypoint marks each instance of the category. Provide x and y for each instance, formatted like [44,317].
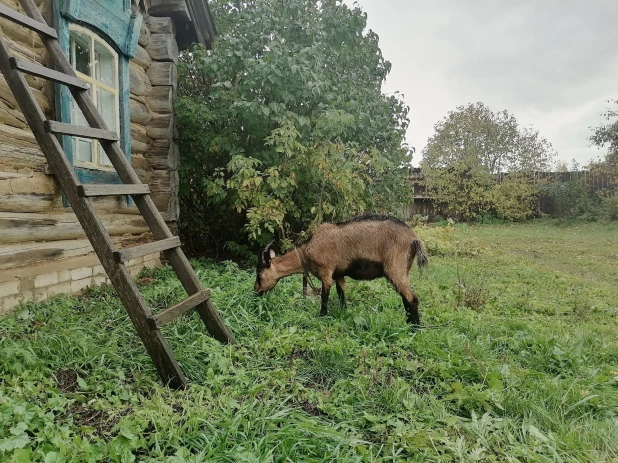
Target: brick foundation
[72,276]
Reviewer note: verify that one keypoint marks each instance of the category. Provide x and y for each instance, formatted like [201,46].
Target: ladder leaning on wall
[45,131]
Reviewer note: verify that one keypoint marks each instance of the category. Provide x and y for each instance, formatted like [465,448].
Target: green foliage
[283,124]
[571,198]
[530,375]
[609,207]
[470,148]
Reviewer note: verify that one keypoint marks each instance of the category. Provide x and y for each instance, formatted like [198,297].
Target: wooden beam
[168,315]
[49,74]
[86,191]
[25,21]
[126,255]
[79,131]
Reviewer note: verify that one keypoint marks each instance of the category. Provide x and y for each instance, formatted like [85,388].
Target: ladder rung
[126,255]
[26,21]
[46,73]
[168,315]
[79,131]
[86,191]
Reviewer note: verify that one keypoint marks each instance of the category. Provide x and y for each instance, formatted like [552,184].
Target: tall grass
[530,373]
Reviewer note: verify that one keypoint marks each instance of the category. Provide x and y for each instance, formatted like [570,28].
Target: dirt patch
[310,408]
[100,421]
[299,353]
[67,380]
[145,281]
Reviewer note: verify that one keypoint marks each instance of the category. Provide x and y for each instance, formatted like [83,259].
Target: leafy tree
[284,125]
[468,151]
[606,135]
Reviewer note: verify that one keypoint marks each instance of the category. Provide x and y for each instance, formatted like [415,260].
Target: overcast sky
[550,63]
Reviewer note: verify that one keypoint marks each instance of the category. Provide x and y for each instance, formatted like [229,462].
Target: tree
[284,125]
[606,135]
[468,152]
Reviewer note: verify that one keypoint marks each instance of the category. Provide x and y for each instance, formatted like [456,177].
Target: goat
[362,248]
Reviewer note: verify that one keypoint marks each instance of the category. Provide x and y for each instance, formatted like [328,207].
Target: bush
[609,207]
[572,200]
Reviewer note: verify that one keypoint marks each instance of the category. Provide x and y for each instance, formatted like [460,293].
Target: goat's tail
[418,250]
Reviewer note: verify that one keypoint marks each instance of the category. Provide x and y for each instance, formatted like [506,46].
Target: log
[22,227]
[138,147]
[144,35]
[140,114]
[163,155]
[163,47]
[163,73]
[11,116]
[27,254]
[167,203]
[176,9]
[142,167]
[40,97]
[34,192]
[25,37]
[161,126]
[138,133]
[142,58]
[161,99]
[163,25]
[138,80]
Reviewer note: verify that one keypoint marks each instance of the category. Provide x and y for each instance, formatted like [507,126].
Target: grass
[525,370]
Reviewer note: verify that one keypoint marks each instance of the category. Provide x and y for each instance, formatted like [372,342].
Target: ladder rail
[176,257]
[136,307]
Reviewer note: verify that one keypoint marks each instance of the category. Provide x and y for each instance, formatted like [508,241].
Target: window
[95,62]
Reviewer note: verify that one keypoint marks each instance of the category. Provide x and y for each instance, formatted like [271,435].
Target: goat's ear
[267,254]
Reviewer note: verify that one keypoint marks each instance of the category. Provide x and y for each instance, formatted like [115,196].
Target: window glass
[80,52]
[96,64]
[105,65]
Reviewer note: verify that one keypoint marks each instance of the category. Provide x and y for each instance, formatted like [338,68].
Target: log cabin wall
[43,249]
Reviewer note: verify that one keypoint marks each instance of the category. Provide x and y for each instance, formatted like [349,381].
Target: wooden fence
[424,205]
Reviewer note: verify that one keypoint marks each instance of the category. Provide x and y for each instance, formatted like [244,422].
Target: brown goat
[362,248]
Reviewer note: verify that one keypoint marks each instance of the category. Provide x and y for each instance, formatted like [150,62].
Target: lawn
[522,365]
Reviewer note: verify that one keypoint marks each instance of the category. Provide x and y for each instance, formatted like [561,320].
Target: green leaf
[54,457]
[15,442]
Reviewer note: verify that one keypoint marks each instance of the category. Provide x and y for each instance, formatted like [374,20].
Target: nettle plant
[283,123]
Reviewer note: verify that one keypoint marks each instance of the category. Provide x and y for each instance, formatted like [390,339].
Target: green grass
[525,368]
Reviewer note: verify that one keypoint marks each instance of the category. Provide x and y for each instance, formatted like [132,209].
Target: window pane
[105,65]
[82,149]
[103,159]
[106,104]
[80,52]
[77,117]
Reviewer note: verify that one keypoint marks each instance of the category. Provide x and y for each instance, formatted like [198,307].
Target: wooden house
[127,50]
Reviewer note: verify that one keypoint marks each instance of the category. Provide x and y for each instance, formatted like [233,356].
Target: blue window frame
[89,32]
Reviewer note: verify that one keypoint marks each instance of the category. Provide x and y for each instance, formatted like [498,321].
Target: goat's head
[267,276]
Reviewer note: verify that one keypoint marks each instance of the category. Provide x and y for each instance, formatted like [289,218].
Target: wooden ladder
[113,261]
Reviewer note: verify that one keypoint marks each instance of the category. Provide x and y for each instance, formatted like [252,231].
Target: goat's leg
[304,284]
[340,291]
[410,301]
[327,283]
